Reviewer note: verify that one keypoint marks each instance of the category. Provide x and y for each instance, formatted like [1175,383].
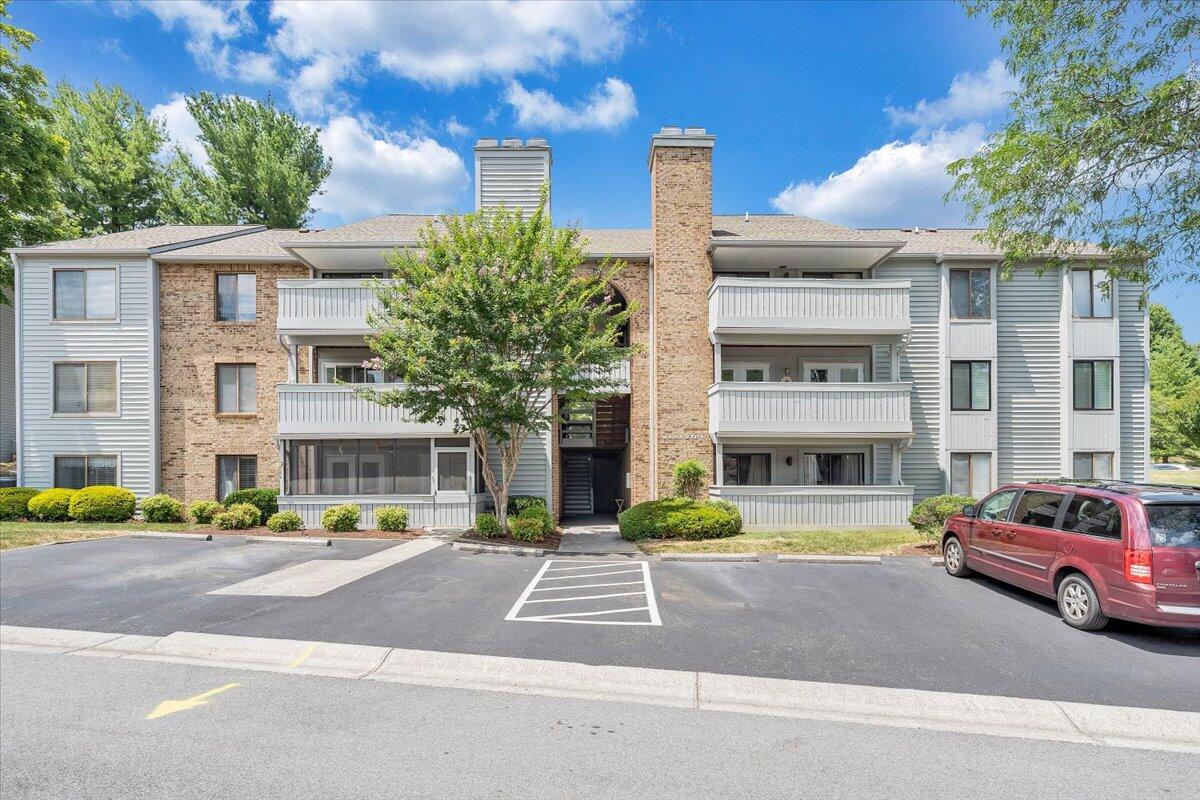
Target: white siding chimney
[510,172]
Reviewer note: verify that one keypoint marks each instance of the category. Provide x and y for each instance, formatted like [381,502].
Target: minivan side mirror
[969,511]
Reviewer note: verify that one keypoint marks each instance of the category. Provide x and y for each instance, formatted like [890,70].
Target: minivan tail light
[1139,566]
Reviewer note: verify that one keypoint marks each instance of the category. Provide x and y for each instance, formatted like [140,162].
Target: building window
[970,385]
[746,469]
[1093,385]
[237,389]
[362,467]
[833,373]
[354,373]
[1092,466]
[76,472]
[235,473]
[970,294]
[85,388]
[835,469]
[1038,509]
[1091,293]
[236,297]
[85,294]
[970,474]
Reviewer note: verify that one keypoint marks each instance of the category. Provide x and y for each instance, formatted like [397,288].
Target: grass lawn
[24,534]
[1176,477]
[869,541]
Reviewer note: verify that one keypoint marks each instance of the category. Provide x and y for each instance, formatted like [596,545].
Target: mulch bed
[317,534]
[923,549]
[550,542]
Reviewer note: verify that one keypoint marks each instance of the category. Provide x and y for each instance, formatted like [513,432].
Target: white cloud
[898,184]
[209,27]
[376,171]
[457,129]
[610,105]
[313,87]
[182,129]
[972,96]
[256,67]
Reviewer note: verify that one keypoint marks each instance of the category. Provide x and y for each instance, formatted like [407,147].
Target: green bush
[519,502]
[929,516]
[162,508]
[239,517]
[283,521]
[265,500]
[341,519]
[527,529]
[487,526]
[103,504]
[680,518]
[391,518]
[203,511]
[541,516]
[14,501]
[52,505]
[690,478]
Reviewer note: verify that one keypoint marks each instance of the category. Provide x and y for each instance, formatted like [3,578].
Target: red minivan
[1102,549]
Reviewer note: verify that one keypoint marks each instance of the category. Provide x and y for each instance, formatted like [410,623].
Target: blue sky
[842,111]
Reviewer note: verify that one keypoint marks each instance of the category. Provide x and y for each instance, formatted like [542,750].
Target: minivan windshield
[1174,525]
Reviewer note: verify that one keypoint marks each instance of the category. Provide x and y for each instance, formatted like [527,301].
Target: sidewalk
[595,534]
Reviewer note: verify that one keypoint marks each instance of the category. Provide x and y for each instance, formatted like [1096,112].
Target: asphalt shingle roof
[951,241]
[261,244]
[786,228]
[148,238]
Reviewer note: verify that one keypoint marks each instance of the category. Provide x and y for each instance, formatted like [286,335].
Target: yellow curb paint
[303,656]
[171,706]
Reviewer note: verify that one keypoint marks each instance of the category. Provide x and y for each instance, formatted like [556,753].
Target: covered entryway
[593,455]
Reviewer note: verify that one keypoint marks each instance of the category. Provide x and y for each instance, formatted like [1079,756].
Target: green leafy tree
[1104,141]
[486,321]
[263,166]
[114,180]
[1174,390]
[32,157]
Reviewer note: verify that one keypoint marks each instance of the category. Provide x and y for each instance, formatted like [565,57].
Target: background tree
[114,181]
[1174,390]
[486,321]
[263,166]
[1104,143]
[31,155]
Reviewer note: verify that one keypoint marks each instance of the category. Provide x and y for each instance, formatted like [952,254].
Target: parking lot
[900,624]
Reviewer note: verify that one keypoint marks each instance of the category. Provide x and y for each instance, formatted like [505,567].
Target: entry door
[989,527]
[606,483]
[833,372]
[1033,543]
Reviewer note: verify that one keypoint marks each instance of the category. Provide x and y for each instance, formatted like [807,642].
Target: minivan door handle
[995,531]
[1010,534]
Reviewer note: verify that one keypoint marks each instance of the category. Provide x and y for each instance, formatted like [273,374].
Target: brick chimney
[511,172]
[682,354]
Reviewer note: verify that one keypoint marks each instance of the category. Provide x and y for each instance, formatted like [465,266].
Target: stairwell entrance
[594,456]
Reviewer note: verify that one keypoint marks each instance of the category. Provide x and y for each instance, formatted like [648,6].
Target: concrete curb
[708,556]
[311,541]
[937,561]
[507,549]
[823,559]
[204,537]
[1045,720]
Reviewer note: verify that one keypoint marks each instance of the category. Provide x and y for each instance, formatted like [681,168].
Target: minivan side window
[1093,515]
[1038,509]
[996,506]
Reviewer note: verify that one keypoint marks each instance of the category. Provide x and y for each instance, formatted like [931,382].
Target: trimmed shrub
[487,526]
[239,517]
[283,521]
[52,505]
[162,508]
[341,519]
[519,502]
[527,529]
[541,516]
[265,500]
[391,518]
[690,478]
[679,518]
[203,511]
[929,516]
[103,504]
[14,501]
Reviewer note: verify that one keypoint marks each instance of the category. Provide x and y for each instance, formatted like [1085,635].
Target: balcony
[616,377]
[810,410]
[325,410]
[791,507]
[865,310]
[327,307]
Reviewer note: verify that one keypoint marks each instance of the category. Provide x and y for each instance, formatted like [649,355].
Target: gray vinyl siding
[1028,375]
[533,467]
[8,382]
[919,364]
[127,341]
[1134,382]
[881,372]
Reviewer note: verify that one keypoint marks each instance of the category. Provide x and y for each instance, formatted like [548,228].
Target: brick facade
[681,227]
[192,343]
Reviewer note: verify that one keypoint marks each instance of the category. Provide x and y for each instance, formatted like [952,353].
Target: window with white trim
[1093,385]
[970,474]
[82,294]
[970,294]
[77,472]
[1091,293]
[85,387]
[970,385]
[1092,466]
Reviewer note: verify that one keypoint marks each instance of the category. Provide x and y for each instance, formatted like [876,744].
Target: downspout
[653,369]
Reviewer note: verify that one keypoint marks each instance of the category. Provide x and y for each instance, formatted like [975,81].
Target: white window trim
[971,456]
[868,465]
[54,465]
[84,414]
[56,320]
[327,364]
[435,450]
[1091,454]
[831,365]
[749,450]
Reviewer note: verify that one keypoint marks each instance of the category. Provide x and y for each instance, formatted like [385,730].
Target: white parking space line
[581,599]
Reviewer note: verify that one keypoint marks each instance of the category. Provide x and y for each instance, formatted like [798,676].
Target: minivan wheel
[954,558]
[1079,604]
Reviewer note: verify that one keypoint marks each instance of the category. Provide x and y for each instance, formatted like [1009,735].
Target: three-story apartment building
[826,375]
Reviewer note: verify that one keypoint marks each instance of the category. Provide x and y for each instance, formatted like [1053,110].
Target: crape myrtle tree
[487,319]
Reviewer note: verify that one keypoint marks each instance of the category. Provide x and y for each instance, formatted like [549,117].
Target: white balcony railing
[808,306]
[324,307]
[616,376]
[784,507]
[841,410]
[333,410]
